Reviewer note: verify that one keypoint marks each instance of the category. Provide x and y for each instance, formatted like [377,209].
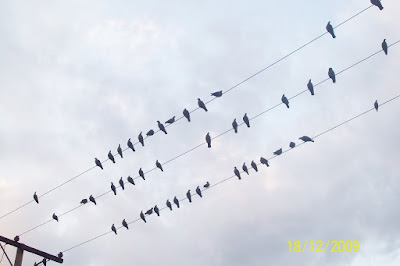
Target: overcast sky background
[78,78]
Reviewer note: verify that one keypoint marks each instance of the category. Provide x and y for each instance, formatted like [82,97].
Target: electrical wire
[5,253]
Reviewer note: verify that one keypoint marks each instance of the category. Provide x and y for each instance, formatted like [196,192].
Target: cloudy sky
[80,77]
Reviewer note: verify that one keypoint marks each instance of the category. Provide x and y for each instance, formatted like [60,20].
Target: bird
[264,161]
[385,46]
[176,201]
[92,199]
[306,139]
[332,75]
[114,229]
[217,94]
[98,163]
[186,114]
[310,87]
[120,151]
[142,216]
[244,167]
[121,183]
[246,120]
[377,3]
[84,201]
[55,217]
[278,152]
[156,210]
[171,120]
[150,211]
[292,144]
[198,191]
[16,238]
[159,165]
[130,180]
[208,139]
[130,145]
[111,157]
[235,125]
[376,105]
[125,224]
[329,28]
[189,196]
[35,197]
[207,185]
[141,173]
[236,171]
[140,138]
[150,133]
[285,100]
[201,104]
[254,165]
[161,127]
[169,205]
[113,188]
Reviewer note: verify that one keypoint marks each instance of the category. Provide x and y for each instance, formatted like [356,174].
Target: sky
[78,78]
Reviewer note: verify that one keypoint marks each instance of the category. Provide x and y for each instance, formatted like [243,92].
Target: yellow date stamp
[320,246]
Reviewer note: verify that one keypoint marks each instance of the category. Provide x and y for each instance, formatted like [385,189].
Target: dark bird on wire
[130,145]
[235,125]
[237,173]
[186,114]
[176,201]
[264,161]
[35,197]
[55,217]
[285,100]
[140,138]
[84,201]
[150,133]
[161,127]
[125,224]
[159,165]
[130,180]
[332,75]
[376,105]
[208,139]
[121,183]
[120,151]
[114,229]
[111,157]
[377,3]
[306,139]
[98,163]
[246,120]
[150,211]
[169,205]
[16,238]
[207,185]
[244,167]
[310,87]
[189,196]
[278,152]
[329,28]
[141,173]
[170,121]
[201,104]
[92,199]
[254,165]
[142,216]
[217,94]
[198,191]
[292,144]
[157,210]
[113,188]
[385,46]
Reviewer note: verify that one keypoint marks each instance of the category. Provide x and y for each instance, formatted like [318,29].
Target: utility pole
[22,247]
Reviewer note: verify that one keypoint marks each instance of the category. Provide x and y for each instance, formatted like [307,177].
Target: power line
[232,176]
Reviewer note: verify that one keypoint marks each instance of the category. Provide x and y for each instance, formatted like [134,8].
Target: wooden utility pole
[22,247]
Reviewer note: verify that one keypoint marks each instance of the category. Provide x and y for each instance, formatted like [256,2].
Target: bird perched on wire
[130,180]
[125,224]
[114,229]
[278,152]
[113,188]
[121,183]
[142,216]
[98,163]
[130,145]
[329,28]
[150,133]
[254,165]
[217,94]
[176,201]
[237,173]
[244,167]
[157,210]
[161,127]
[35,197]
[332,75]
[235,125]
[285,100]
[189,196]
[198,191]
[168,203]
[292,144]
[377,3]
[207,185]
[306,139]
[141,173]
[111,157]
[208,140]
[140,138]
[170,121]
[55,217]
[84,201]
[186,114]
[201,104]
[159,166]
[264,161]
[119,150]
[92,199]
[246,120]
[385,46]
[150,211]
[376,105]
[310,87]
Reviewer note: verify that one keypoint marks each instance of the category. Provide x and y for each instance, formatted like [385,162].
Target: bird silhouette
[35,197]
[121,183]
[140,138]
[130,180]
[377,3]
[98,163]
[246,120]
[141,173]
[198,191]
[157,210]
[332,75]
[264,161]
[113,188]
[142,216]
[176,201]
[130,145]
[285,100]
[114,229]
[169,205]
[208,139]
[235,125]
[120,151]
[111,157]
[150,133]
[306,139]
[207,185]
[237,173]
[125,224]
[217,94]
[189,196]
[385,46]
[186,114]
[201,104]
[150,211]
[55,217]
[310,87]
[92,199]
[161,127]
[278,152]
[84,201]
[329,28]
[244,167]
[376,105]
[254,165]
[292,145]
[159,165]
[170,121]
